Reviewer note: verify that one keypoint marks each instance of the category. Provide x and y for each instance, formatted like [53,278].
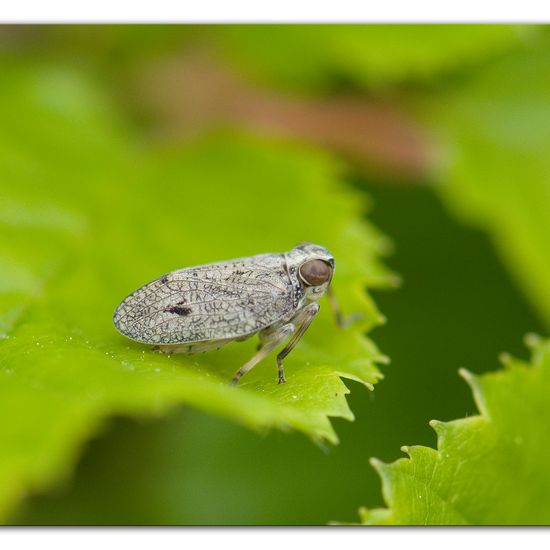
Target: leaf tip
[532,340]
[466,375]
[381,319]
[438,427]
[395,280]
[377,464]
[474,382]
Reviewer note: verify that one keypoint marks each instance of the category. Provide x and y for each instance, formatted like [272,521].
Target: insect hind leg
[341,321]
[191,348]
[268,344]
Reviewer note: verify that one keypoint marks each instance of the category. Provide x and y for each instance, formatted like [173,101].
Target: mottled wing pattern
[210,302]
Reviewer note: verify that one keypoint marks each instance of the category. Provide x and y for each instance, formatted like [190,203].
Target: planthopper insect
[201,308]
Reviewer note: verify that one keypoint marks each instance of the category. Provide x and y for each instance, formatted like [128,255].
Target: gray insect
[200,308]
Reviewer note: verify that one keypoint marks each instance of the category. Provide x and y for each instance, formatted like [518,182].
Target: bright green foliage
[87,215]
[496,169]
[487,469]
[309,56]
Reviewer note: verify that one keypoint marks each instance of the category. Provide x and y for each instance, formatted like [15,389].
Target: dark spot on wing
[178,310]
[164,279]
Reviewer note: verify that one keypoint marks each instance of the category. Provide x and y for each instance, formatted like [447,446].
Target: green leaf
[88,214]
[490,469]
[312,56]
[496,166]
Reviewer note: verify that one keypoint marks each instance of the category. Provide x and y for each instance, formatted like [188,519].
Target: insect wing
[211,302]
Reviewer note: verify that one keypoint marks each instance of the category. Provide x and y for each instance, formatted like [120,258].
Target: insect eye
[315,272]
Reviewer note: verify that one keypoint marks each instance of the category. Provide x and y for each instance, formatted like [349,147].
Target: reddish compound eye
[315,272]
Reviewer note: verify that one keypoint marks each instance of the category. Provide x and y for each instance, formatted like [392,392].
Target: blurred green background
[371,96]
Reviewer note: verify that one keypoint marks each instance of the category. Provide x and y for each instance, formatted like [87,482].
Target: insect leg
[341,321]
[267,347]
[170,349]
[304,319]
[192,347]
[188,349]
